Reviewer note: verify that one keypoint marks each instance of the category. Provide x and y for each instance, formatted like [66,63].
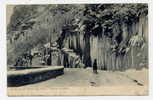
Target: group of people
[24,60]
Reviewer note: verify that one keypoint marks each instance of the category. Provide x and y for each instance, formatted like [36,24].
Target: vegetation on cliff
[119,27]
[115,34]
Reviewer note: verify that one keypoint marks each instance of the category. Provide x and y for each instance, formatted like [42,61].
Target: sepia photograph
[77,49]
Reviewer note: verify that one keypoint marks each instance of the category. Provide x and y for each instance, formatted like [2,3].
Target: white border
[71,1]
[3,3]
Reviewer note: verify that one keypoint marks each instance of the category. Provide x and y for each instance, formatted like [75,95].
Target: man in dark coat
[48,60]
[65,61]
[95,66]
[30,58]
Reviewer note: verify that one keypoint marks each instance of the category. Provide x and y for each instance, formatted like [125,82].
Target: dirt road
[85,77]
[74,77]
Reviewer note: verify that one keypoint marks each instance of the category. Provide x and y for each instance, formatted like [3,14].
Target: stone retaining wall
[29,76]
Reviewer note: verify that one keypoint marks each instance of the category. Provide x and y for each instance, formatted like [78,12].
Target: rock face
[34,25]
[116,35]
[100,47]
[70,59]
[66,57]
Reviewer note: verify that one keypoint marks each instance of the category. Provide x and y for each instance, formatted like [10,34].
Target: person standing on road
[30,57]
[95,67]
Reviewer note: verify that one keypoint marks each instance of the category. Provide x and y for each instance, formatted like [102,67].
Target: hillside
[114,34]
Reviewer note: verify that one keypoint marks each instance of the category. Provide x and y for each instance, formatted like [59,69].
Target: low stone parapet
[29,76]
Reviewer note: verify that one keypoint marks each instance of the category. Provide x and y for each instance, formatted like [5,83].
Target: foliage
[108,20]
[36,22]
